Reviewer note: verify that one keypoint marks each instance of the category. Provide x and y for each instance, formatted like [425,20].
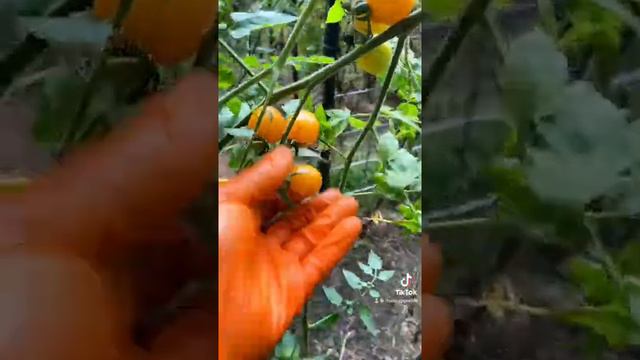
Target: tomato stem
[277,67]
[374,115]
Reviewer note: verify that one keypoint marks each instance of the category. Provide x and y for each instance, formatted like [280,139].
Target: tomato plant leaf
[290,107]
[612,322]
[404,170]
[444,9]
[367,319]
[385,275]
[588,142]
[82,30]
[365,268]
[288,347]
[357,123]
[247,22]
[374,261]
[533,76]
[336,13]
[243,133]
[353,280]
[387,147]
[332,295]
[594,281]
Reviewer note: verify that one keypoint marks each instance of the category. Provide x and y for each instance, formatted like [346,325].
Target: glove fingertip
[324,257]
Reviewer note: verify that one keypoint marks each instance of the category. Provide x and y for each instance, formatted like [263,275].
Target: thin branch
[294,118]
[457,223]
[376,111]
[344,345]
[277,67]
[241,62]
[603,254]
[402,27]
[472,15]
[462,209]
[245,85]
[87,96]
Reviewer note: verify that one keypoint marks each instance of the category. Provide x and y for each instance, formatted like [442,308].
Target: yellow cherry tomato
[306,181]
[376,62]
[169,30]
[273,124]
[306,129]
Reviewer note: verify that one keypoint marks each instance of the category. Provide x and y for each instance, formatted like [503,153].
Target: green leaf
[37,7]
[612,322]
[252,61]
[226,77]
[385,275]
[332,295]
[387,147]
[365,268]
[628,259]
[593,279]
[234,105]
[353,280]
[633,289]
[357,123]
[588,144]
[242,133]
[81,30]
[314,59]
[308,153]
[10,34]
[533,76]
[288,347]
[336,13]
[326,323]
[290,107]
[622,12]
[375,262]
[59,103]
[404,170]
[367,319]
[412,218]
[408,114]
[444,9]
[374,293]
[247,22]
[335,123]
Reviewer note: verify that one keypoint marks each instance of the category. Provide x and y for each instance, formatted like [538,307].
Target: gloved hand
[267,275]
[91,251]
[437,323]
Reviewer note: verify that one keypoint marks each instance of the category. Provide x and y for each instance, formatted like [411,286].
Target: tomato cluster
[305,130]
[305,180]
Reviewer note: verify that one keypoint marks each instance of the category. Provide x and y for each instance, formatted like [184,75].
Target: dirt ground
[532,273]
[399,324]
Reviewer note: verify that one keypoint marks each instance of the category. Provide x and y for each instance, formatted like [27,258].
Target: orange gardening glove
[437,320]
[267,275]
[92,251]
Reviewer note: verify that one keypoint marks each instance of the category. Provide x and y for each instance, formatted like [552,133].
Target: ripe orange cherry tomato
[273,124]
[386,11]
[306,129]
[306,181]
[170,30]
[362,26]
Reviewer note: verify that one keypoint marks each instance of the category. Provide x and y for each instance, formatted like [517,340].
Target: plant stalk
[376,111]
